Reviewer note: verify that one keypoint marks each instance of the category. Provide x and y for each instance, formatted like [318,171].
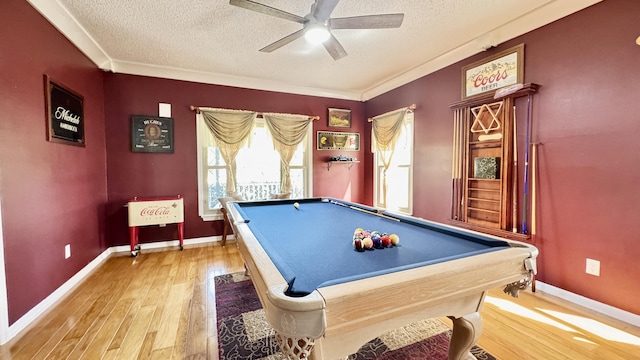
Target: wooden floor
[161,305]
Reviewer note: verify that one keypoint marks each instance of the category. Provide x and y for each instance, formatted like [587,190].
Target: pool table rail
[271,286]
[342,317]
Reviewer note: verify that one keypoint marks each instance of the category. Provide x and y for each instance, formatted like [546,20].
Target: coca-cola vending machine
[154,211]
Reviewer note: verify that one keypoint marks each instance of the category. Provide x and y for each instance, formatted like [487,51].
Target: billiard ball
[296,205]
[367,243]
[395,239]
[357,244]
[386,241]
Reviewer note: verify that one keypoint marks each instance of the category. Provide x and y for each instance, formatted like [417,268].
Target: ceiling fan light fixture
[316,33]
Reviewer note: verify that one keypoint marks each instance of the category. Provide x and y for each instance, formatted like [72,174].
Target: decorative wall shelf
[348,162]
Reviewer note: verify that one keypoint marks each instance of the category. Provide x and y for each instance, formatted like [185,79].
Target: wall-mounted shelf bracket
[349,163]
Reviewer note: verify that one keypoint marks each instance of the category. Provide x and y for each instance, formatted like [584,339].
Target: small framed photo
[65,114]
[329,140]
[151,134]
[339,118]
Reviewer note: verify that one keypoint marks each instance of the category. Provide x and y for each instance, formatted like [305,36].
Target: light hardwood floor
[161,305]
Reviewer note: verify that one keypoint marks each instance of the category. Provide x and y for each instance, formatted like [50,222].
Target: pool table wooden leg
[295,349]
[225,225]
[466,331]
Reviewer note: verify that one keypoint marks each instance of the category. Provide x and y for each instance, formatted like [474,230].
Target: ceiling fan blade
[282,42]
[334,48]
[324,8]
[382,21]
[268,10]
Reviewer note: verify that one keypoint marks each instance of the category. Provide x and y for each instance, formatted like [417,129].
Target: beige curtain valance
[230,127]
[386,128]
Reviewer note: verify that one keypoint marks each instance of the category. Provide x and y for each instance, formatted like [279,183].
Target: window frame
[377,167]
[202,148]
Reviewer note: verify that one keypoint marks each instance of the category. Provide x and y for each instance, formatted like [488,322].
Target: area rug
[245,334]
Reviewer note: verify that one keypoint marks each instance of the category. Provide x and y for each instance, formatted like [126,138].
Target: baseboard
[51,300]
[171,243]
[33,314]
[604,309]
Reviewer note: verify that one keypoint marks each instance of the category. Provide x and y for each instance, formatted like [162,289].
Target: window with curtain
[399,175]
[258,169]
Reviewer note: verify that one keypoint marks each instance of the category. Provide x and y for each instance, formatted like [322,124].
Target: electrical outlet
[593,267]
[67,251]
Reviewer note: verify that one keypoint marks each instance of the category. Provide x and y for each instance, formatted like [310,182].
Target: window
[258,169]
[399,189]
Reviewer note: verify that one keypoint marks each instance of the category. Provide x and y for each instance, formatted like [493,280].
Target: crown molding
[551,11]
[538,17]
[133,68]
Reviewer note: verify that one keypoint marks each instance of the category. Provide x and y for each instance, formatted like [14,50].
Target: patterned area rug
[244,333]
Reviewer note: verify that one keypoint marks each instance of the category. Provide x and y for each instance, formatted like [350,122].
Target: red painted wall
[144,174]
[585,116]
[55,194]
[52,194]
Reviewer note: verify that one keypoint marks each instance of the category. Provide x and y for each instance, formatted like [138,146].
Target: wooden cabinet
[485,171]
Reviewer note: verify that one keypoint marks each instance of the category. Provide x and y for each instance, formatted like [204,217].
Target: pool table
[325,299]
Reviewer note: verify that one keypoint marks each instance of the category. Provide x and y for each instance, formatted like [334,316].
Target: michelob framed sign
[65,114]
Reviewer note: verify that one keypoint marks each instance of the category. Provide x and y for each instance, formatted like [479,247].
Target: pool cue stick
[526,167]
[463,163]
[454,165]
[534,149]
[366,211]
[534,164]
[453,168]
[460,163]
[514,183]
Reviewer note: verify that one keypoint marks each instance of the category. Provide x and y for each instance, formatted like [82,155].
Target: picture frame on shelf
[64,114]
[339,118]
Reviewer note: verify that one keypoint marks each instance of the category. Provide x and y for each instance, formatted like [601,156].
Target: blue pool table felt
[312,246]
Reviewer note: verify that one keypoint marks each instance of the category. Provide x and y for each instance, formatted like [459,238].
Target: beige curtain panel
[230,130]
[385,130]
[287,131]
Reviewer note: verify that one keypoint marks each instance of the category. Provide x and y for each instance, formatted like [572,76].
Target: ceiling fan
[319,23]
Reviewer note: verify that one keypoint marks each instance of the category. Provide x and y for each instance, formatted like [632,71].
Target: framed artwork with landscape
[339,118]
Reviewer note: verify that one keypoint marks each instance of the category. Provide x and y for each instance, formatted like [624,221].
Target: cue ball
[296,205]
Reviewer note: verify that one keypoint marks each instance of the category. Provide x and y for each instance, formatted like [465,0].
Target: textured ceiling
[211,41]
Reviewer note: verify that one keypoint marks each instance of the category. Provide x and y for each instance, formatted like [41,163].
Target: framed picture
[151,134]
[328,140]
[489,74]
[339,118]
[65,114]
